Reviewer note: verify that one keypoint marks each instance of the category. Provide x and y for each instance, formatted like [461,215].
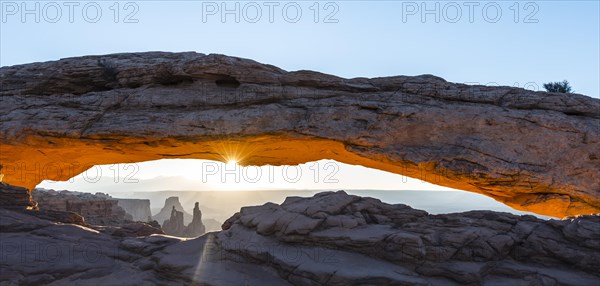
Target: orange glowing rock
[533,151]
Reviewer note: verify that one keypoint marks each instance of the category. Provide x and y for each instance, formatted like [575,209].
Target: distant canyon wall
[97,209]
[139,209]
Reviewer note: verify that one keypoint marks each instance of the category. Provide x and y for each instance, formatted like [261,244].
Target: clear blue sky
[500,42]
[370,38]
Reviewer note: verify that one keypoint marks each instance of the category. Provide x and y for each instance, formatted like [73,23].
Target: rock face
[174,225]
[478,247]
[97,209]
[16,198]
[130,229]
[19,199]
[534,151]
[41,252]
[58,212]
[139,209]
[61,216]
[166,212]
[329,239]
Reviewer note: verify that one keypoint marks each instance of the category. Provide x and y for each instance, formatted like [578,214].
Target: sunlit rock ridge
[534,151]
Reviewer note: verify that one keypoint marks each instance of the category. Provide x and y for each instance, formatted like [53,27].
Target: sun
[232,153]
[231,163]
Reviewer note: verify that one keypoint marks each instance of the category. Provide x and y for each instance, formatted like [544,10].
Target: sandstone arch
[531,150]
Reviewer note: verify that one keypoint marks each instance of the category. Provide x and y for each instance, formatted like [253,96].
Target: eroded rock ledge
[326,239]
[97,209]
[329,239]
[534,151]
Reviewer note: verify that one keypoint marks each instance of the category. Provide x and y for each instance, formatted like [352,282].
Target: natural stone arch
[531,150]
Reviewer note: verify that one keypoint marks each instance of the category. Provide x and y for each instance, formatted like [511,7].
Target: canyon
[139,209]
[534,151]
[102,210]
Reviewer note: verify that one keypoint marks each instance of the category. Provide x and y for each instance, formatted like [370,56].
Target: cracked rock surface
[534,151]
[329,239]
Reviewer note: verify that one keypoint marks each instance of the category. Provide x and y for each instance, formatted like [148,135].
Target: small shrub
[563,87]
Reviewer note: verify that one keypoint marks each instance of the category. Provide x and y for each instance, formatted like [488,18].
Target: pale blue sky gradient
[370,39]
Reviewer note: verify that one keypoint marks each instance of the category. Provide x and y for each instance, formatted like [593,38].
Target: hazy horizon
[197,178]
[220,205]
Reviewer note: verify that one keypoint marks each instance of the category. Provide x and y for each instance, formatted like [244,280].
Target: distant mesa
[165,212]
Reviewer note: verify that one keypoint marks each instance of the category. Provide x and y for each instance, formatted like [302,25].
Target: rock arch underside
[533,151]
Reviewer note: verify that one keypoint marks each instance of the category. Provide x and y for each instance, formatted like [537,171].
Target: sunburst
[233,152]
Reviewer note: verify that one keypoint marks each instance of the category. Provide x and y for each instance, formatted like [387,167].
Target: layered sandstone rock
[60,207]
[534,151]
[329,239]
[97,209]
[18,198]
[335,230]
